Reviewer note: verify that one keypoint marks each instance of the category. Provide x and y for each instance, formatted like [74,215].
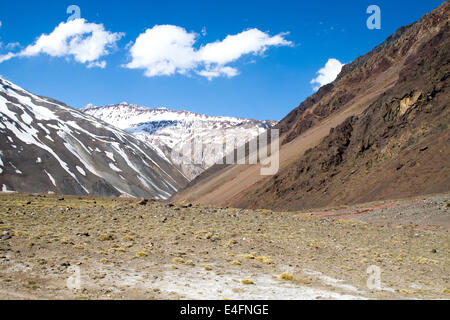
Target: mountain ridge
[320,130]
[73,153]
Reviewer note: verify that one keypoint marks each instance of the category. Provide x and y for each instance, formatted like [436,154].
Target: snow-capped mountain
[46,146]
[169,130]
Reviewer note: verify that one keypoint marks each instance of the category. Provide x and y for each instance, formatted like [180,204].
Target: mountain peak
[167,129]
[70,152]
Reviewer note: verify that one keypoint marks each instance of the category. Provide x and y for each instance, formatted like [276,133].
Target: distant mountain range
[168,129]
[46,146]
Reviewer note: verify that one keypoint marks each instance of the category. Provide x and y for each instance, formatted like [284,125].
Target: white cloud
[328,73]
[163,50]
[1,24]
[85,42]
[98,64]
[214,72]
[169,49]
[7,56]
[234,46]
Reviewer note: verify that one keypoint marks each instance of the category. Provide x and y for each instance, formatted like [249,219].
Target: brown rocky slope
[380,131]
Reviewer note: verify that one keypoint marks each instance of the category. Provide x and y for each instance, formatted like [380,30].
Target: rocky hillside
[46,146]
[168,129]
[379,131]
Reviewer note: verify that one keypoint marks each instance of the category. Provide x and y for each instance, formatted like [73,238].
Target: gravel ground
[132,249]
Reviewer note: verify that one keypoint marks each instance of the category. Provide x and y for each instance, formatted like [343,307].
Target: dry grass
[286,276]
[100,233]
[247,281]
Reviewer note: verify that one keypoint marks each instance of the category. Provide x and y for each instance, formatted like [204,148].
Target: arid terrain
[129,202]
[144,249]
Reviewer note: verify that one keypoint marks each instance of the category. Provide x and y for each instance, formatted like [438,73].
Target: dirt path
[119,249]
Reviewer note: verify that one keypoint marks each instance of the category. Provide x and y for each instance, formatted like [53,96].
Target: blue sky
[263,84]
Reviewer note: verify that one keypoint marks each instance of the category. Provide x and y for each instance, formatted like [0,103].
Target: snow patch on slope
[51,178]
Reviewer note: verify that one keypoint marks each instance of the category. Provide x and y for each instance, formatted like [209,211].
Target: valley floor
[128,249]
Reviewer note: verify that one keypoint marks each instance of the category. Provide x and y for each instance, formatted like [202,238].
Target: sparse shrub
[286,276]
[106,237]
[208,235]
[190,263]
[314,246]
[347,268]
[266,260]
[32,285]
[423,260]
[247,281]
[178,260]
[248,256]
[230,243]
